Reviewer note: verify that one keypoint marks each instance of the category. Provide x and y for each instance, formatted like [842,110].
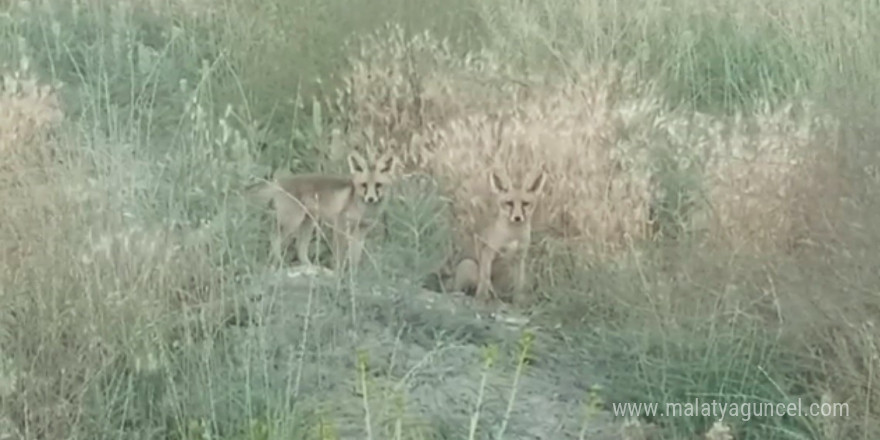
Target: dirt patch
[429,351]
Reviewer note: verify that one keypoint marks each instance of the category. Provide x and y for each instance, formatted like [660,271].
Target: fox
[303,200]
[502,238]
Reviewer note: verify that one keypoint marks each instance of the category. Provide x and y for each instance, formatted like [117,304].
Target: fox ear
[357,163]
[385,164]
[535,181]
[499,182]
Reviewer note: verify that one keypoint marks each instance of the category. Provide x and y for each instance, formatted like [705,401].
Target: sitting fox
[503,239]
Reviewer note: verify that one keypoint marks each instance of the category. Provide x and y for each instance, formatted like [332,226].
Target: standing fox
[504,239]
[303,200]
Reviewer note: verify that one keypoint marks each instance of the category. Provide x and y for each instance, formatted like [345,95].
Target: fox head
[517,204]
[371,179]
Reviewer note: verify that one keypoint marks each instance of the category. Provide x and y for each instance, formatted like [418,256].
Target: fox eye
[378,186]
[364,186]
[508,203]
[526,204]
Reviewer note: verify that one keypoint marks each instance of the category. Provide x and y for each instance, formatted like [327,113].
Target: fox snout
[516,211]
[518,215]
[370,193]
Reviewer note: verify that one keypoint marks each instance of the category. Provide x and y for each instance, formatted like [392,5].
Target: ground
[708,228]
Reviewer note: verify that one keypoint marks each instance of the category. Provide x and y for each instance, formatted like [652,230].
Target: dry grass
[719,431]
[123,237]
[29,115]
[769,181]
[597,134]
[66,239]
[29,112]
[455,120]
[772,178]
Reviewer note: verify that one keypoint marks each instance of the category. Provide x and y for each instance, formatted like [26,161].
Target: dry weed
[398,89]
[769,175]
[846,355]
[83,280]
[595,131]
[719,431]
[122,9]
[29,113]
[444,121]
[635,429]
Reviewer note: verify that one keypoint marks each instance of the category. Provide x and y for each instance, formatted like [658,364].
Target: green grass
[137,300]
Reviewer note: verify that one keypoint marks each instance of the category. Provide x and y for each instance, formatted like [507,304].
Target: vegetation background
[710,227]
